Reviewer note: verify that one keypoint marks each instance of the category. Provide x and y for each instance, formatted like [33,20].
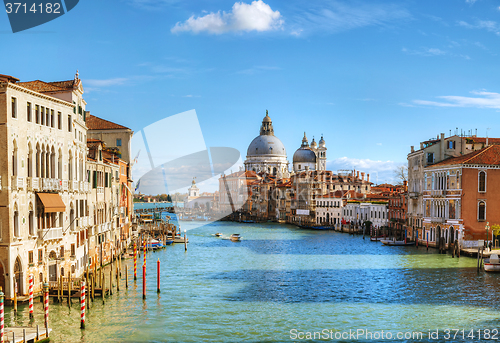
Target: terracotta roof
[483,140]
[486,156]
[96,123]
[47,87]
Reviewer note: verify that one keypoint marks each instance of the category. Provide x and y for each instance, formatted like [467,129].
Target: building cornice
[4,86]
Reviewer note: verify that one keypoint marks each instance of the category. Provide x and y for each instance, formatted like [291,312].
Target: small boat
[492,264]
[180,239]
[396,243]
[235,237]
[218,234]
[315,227]
[379,238]
[154,244]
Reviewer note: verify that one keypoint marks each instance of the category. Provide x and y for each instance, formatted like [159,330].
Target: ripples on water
[280,278]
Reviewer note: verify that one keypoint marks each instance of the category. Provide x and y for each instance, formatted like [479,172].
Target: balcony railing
[75,186]
[64,185]
[52,233]
[437,193]
[51,184]
[17,182]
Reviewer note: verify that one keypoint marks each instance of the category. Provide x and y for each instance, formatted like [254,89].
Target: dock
[18,333]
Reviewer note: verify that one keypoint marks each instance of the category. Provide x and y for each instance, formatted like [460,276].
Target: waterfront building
[358,211]
[113,135]
[266,153]
[195,199]
[433,151]
[234,191]
[43,185]
[329,208]
[398,204]
[460,195]
[283,193]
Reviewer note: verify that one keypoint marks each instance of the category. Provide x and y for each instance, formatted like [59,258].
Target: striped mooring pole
[144,281]
[135,261]
[82,305]
[31,296]
[144,252]
[46,304]
[2,335]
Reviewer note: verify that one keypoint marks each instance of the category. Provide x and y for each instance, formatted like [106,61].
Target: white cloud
[488,25]
[257,16]
[484,100]
[106,82]
[380,171]
[334,16]
[425,52]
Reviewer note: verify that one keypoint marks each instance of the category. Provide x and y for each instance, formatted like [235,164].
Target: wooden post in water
[144,281]
[103,287]
[126,276]
[69,288]
[111,281]
[117,279]
[185,241]
[478,256]
[46,304]
[15,296]
[158,277]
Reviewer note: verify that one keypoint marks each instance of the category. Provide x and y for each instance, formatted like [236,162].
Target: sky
[373,77]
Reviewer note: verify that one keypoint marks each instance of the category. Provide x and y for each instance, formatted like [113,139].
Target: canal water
[279,284]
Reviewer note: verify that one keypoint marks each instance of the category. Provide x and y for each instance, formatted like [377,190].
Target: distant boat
[180,239]
[235,237]
[379,238]
[218,234]
[492,264]
[315,227]
[396,243]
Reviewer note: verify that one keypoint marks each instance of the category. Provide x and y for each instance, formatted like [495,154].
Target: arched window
[482,181]
[481,211]
[31,220]
[14,158]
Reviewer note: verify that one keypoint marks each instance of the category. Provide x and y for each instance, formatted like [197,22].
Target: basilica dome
[304,155]
[266,145]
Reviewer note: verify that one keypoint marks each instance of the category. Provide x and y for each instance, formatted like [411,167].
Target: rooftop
[96,123]
[486,156]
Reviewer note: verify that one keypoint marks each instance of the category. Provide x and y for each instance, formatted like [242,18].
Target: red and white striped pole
[46,304]
[135,261]
[82,305]
[31,296]
[2,334]
[144,252]
[144,281]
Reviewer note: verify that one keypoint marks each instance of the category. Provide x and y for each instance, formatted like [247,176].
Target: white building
[311,157]
[329,209]
[359,212]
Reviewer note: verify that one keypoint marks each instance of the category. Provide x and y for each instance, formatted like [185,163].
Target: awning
[52,202]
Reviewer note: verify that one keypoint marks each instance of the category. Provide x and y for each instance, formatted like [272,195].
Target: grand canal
[280,278]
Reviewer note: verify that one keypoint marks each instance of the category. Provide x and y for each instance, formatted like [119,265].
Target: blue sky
[374,77]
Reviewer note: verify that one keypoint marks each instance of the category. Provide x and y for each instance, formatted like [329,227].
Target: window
[73,251]
[52,123]
[118,142]
[482,181]
[30,257]
[14,108]
[451,144]
[59,120]
[42,115]
[69,123]
[40,256]
[47,117]
[28,111]
[37,114]
[430,157]
[481,211]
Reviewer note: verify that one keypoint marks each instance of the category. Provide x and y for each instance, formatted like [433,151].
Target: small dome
[313,143]
[266,145]
[322,142]
[304,155]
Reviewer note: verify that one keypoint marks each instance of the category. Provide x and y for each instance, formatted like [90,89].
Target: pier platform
[17,332]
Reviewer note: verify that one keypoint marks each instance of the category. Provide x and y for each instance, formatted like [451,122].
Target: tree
[401,174]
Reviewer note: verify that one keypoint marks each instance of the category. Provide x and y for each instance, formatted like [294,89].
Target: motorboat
[218,234]
[492,264]
[396,243]
[235,237]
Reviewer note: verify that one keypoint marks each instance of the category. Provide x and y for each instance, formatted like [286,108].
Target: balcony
[33,183]
[50,234]
[75,186]
[17,182]
[414,195]
[64,185]
[51,184]
[437,193]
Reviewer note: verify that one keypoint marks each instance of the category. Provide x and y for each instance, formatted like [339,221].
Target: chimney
[8,78]
[357,175]
[362,176]
[412,148]
[368,177]
[421,145]
[442,136]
